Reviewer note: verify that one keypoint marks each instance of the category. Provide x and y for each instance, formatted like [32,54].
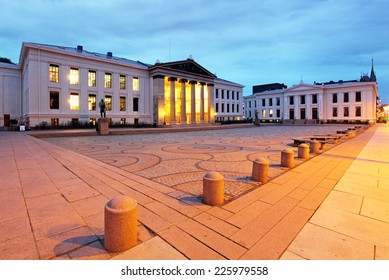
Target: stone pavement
[52,202]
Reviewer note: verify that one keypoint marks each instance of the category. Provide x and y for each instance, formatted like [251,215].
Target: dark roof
[266,87]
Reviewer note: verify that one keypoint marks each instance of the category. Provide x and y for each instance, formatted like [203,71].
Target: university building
[352,101]
[59,85]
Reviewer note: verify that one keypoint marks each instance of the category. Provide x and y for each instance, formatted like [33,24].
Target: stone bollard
[120,224]
[287,158]
[260,170]
[314,147]
[213,188]
[303,151]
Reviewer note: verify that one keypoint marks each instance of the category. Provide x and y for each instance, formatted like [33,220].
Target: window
[54,73]
[358,96]
[54,121]
[263,113]
[263,102]
[334,112]
[217,107]
[315,114]
[91,78]
[217,93]
[291,100]
[345,112]
[123,103]
[74,101]
[135,84]
[232,95]
[278,113]
[135,104]
[278,101]
[122,81]
[108,80]
[358,111]
[271,113]
[345,97]
[237,108]
[334,98]
[54,100]
[302,113]
[237,95]
[228,94]
[92,102]
[108,103]
[302,100]
[74,76]
[291,114]
[122,121]
[233,108]
[270,101]
[222,93]
[223,107]
[314,99]
[228,108]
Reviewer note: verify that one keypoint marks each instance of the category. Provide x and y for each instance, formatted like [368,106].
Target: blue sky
[249,42]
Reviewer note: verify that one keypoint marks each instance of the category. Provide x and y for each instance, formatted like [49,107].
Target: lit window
[263,113]
[91,78]
[74,76]
[74,101]
[122,103]
[54,73]
[54,100]
[92,102]
[108,103]
[122,81]
[135,84]
[108,80]
[271,113]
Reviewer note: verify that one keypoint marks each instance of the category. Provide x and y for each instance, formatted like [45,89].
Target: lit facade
[58,85]
[343,101]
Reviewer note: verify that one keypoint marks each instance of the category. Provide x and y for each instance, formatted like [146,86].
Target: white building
[58,85]
[342,101]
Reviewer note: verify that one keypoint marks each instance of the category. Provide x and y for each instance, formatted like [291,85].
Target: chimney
[109,54]
[80,48]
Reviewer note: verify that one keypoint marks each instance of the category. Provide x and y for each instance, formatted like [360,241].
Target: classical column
[211,104]
[202,102]
[296,107]
[158,100]
[183,101]
[193,101]
[172,100]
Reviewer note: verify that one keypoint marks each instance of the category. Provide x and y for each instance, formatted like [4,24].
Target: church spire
[373,77]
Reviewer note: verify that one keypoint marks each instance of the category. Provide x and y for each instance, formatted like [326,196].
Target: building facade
[60,85]
[342,101]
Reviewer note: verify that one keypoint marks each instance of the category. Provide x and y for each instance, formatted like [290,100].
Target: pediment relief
[188,66]
[303,87]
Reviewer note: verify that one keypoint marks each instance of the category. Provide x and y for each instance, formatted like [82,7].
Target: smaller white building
[332,102]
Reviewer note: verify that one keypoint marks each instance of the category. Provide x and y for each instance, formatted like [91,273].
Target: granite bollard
[213,188]
[120,224]
[303,151]
[287,158]
[314,147]
[260,171]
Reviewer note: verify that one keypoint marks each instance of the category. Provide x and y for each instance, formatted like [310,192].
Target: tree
[5,60]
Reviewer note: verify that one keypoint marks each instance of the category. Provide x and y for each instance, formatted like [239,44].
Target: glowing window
[74,76]
[74,101]
[108,103]
[135,84]
[122,81]
[91,78]
[123,103]
[92,102]
[54,73]
[108,80]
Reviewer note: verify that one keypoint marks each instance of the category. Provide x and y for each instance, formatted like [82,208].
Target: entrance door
[291,114]
[7,120]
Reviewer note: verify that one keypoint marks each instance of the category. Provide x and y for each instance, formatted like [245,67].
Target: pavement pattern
[52,199]
[180,160]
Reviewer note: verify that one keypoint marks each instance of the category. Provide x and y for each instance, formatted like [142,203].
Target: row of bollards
[121,213]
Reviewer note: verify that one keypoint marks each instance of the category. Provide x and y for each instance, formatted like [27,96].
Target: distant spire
[373,77]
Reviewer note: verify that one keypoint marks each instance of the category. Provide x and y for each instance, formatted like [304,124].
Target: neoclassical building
[57,85]
[342,101]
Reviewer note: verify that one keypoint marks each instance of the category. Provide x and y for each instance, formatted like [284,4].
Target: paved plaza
[333,206]
[180,160]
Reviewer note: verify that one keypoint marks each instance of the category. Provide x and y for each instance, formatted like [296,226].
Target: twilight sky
[249,42]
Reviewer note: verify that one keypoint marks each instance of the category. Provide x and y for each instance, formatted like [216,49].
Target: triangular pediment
[302,87]
[187,66]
